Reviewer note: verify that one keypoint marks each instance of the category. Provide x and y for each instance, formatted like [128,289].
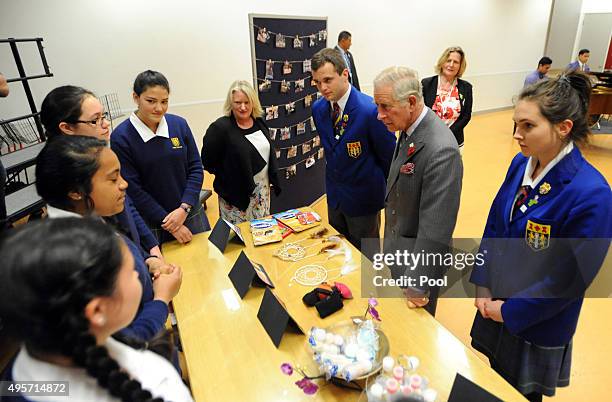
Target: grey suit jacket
[421,207]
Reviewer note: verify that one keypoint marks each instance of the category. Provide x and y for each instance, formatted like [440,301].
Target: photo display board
[281,51]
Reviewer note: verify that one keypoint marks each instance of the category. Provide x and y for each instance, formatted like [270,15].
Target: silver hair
[405,82]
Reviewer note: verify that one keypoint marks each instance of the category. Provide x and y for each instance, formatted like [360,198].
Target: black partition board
[275,318]
[464,390]
[308,184]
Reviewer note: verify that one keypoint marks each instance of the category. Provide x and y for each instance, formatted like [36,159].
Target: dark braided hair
[62,104]
[51,269]
[67,164]
[564,97]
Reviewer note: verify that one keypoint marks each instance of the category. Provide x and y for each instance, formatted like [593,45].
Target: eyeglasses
[97,121]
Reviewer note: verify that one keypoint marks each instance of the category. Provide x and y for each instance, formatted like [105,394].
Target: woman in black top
[447,94]
[238,151]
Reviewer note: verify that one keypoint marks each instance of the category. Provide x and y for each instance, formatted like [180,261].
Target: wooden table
[231,358]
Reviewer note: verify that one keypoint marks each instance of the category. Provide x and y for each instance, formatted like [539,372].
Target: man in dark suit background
[424,183]
[358,150]
[345,40]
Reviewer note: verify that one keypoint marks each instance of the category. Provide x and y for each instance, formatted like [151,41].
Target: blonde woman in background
[238,151]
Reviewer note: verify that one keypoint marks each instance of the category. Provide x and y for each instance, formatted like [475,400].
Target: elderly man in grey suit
[424,183]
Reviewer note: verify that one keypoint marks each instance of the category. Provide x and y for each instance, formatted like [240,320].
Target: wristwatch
[186,208]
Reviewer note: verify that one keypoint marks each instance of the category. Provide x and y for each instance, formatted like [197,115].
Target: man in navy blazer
[581,63]
[358,150]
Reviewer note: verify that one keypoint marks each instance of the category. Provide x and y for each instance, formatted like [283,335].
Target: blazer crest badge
[354,149]
[537,236]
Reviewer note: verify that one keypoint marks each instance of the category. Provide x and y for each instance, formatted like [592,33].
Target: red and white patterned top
[447,104]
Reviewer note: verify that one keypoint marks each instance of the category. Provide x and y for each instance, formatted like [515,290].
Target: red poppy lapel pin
[411,149]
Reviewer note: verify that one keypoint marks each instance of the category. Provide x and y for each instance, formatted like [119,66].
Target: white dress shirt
[145,132]
[154,372]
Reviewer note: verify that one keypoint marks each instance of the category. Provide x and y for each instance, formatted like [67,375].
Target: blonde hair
[404,81]
[444,57]
[247,89]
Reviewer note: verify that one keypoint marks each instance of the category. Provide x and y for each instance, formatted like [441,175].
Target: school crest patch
[176,143]
[537,236]
[354,149]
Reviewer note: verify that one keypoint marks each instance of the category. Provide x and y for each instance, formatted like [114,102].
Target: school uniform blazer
[551,250]
[357,164]
[422,206]
[575,65]
[430,89]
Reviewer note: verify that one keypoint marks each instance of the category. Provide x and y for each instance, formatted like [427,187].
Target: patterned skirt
[527,367]
[259,205]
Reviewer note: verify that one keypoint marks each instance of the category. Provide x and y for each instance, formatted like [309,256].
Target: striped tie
[336,120]
[520,200]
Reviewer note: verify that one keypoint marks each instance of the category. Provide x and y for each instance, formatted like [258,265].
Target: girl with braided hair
[80,176]
[545,240]
[68,284]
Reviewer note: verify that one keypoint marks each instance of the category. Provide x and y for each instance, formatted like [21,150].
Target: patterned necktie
[402,137]
[520,200]
[336,119]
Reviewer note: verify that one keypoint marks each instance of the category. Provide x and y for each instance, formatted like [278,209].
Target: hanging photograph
[265,86]
[269,70]
[322,35]
[292,152]
[307,100]
[312,40]
[310,161]
[278,153]
[306,148]
[285,133]
[307,65]
[316,141]
[298,43]
[271,112]
[286,67]
[290,107]
[312,125]
[273,132]
[262,35]
[299,85]
[320,153]
[301,128]
[285,86]
[290,172]
[313,83]
[280,40]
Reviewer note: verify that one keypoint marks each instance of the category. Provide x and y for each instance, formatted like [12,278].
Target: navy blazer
[358,163]
[551,250]
[430,90]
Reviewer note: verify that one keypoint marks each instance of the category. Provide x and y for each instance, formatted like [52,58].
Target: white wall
[202,46]
[590,7]
[596,6]
[565,19]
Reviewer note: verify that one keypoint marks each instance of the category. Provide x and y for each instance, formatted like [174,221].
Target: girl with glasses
[72,110]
